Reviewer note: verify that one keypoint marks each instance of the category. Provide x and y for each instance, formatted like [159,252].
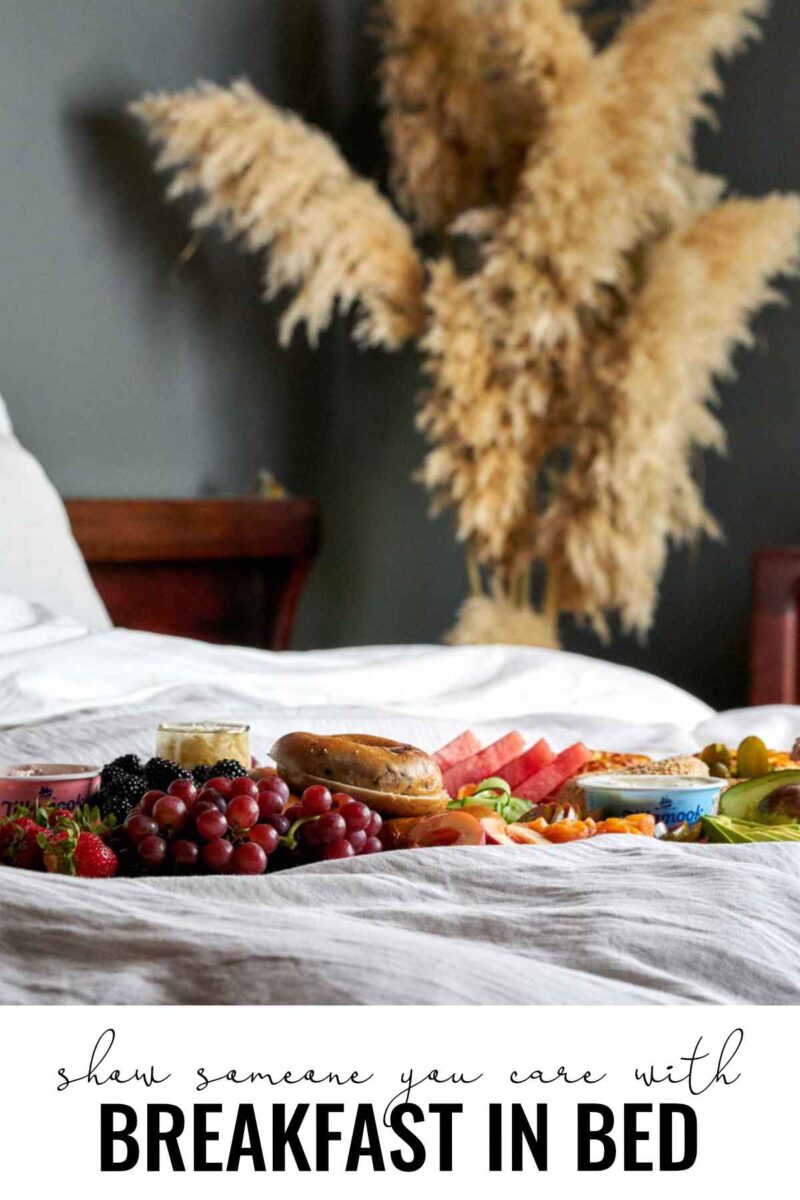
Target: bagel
[391,777]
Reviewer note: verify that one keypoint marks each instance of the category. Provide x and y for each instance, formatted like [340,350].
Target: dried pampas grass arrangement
[278,185]
[570,367]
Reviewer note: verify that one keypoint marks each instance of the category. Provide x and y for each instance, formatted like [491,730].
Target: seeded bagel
[392,777]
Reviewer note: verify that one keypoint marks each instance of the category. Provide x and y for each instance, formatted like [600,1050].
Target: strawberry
[60,841]
[55,815]
[70,851]
[8,830]
[25,849]
[93,858]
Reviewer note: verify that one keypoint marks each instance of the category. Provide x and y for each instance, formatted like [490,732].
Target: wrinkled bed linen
[616,920]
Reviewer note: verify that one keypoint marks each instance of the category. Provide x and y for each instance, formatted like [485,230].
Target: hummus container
[673,799]
[202,743]
[66,784]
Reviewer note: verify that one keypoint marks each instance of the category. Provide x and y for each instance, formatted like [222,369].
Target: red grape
[242,811]
[220,784]
[373,846]
[214,797]
[339,849]
[185,789]
[356,815]
[170,812]
[340,799]
[139,826]
[357,839]
[201,806]
[269,804]
[294,812]
[211,824]
[331,827]
[244,787]
[217,855]
[266,837]
[152,851]
[274,783]
[316,799]
[148,800]
[308,834]
[375,825]
[184,853]
[279,823]
[249,859]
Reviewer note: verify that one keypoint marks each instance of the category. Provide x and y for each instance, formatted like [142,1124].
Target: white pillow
[5,419]
[39,558]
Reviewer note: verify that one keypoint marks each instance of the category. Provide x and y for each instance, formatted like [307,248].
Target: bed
[618,920]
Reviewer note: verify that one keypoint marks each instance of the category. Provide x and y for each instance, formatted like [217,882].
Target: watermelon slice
[485,763]
[464,746]
[520,769]
[550,778]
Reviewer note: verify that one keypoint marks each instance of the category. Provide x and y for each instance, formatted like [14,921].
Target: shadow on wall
[340,424]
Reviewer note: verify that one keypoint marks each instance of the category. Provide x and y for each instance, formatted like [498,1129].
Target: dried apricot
[624,825]
[538,826]
[644,822]
[566,831]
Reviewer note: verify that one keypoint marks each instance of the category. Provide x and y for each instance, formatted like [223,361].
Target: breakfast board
[204,805]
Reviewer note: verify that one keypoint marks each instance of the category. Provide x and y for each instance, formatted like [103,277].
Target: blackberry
[120,783]
[127,858]
[201,775]
[131,764]
[160,773]
[229,768]
[113,804]
[111,775]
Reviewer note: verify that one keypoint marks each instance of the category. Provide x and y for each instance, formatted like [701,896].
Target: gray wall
[128,373]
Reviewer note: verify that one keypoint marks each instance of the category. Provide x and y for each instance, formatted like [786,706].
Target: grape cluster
[325,826]
[239,827]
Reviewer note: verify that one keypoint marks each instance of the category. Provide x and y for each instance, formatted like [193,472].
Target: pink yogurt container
[66,784]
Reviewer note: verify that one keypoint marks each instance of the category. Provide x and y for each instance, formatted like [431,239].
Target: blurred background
[133,369]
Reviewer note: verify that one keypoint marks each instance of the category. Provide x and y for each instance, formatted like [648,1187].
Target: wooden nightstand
[221,570]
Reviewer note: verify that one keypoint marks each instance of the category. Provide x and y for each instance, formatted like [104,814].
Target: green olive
[716,752]
[677,833]
[684,833]
[752,759]
[719,770]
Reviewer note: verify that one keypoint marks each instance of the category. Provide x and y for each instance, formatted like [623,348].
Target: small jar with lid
[202,743]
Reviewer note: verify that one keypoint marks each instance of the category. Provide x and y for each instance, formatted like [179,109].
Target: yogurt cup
[671,799]
[66,784]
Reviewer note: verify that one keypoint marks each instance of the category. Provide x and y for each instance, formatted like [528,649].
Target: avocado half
[741,802]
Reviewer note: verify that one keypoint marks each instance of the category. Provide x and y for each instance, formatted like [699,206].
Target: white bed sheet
[615,921]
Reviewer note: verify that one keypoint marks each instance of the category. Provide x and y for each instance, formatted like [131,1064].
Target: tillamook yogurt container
[66,784]
[673,799]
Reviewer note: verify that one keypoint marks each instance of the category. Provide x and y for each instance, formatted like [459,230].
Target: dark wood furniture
[775,621]
[222,570]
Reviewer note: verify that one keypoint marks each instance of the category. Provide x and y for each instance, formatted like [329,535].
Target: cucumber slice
[511,808]
[493,783]
[741,802]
